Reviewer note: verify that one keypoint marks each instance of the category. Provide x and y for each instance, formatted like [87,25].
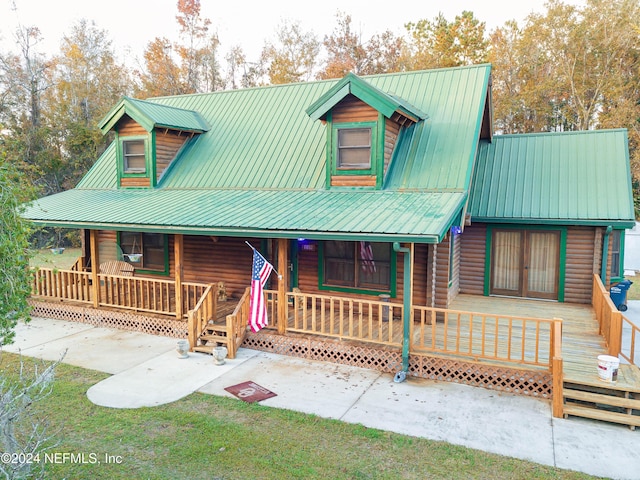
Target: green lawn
[44,258]
[208,437]
[634,291]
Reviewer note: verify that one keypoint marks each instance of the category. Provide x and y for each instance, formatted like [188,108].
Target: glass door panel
[542,265]
[507,261]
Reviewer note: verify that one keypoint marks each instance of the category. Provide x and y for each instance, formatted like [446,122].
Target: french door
[525,263]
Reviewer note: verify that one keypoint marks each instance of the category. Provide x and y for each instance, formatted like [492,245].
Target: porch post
[283,270]
[407,286]
[178,249]
[95,265]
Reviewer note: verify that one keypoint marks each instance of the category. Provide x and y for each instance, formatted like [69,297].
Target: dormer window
[134,157]
[353,153]
[354,149]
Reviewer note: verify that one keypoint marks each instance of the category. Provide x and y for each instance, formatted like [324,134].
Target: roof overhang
[419,217]
[152,115]
[383,102]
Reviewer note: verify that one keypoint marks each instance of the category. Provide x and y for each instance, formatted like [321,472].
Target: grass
[205,436]
[64,261]
[634,291]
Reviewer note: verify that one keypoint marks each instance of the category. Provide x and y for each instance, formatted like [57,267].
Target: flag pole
[272,267]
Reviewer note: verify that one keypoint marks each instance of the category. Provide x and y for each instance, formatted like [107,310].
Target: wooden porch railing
[62,284]
[203,311]
[557,369]
[368,321]
[609,318]
[78,265]
[237,323]
[628,352]
[504,338]
[131,293]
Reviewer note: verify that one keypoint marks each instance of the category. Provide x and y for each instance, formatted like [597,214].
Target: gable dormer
[148,138]
[363,124]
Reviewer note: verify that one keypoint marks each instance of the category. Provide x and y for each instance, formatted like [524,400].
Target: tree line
[568,68]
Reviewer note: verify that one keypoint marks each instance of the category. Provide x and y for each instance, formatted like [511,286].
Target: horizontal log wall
[582,260]
[135,182]
[442,273]
[472,259]
[391,132]
[128,127]
[420,274]
[454,288]
[581,250]
[308,277]
[229,260]
[352,109]
[168,143]
[219,259]
[353,181]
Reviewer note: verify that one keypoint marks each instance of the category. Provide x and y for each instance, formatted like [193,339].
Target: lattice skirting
[167,327]
[500,378]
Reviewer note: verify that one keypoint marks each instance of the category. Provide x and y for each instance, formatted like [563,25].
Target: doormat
[250,392]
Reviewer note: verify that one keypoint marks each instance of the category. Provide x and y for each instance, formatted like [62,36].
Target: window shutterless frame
[134,156]
[354,148]
[159,251]
[351,286]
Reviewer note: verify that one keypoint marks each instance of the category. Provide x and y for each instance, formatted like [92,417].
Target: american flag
[257,306]
[366,254]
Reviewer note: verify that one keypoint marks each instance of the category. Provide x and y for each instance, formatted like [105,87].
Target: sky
[132,24]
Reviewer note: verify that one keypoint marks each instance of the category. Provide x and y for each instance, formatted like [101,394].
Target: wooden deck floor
[581,343]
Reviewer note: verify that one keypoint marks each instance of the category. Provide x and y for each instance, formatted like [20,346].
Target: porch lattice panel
[522,382]
[504,379]
[166,327]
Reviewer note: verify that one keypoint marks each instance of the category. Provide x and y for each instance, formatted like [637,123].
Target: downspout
[605,255]
[401,376]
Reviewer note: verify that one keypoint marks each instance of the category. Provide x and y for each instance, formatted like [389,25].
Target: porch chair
[117,267]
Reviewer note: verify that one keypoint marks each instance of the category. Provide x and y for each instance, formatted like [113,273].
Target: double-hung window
[134,159]
[354,149]
[617,246]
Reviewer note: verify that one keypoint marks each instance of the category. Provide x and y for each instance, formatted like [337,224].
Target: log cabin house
[408,237]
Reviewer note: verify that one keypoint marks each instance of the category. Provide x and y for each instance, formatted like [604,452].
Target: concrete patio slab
[501,423]
[103,349]
[319,388]
[162,379]
[147,372]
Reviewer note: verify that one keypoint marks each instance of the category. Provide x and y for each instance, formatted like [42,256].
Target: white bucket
[608,368]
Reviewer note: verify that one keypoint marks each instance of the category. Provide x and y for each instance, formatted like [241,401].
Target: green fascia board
[152,115]
[376,98]
[619,223]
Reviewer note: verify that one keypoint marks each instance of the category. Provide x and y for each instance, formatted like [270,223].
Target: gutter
[605,255]
[401,376]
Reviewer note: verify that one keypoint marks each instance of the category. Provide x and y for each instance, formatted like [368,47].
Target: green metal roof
[151,115]
[376,98]
[554,178]
[422,217]
[260,166]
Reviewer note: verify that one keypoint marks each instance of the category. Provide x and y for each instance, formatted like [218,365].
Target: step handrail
[198,318]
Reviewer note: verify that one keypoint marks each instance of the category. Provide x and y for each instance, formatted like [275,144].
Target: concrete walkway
[146,371]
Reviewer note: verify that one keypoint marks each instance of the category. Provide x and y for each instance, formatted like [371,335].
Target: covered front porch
[516,345]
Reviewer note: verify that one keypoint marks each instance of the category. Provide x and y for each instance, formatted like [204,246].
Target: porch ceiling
[422,217]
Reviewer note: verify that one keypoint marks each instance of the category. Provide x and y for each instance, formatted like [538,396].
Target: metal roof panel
[554,177]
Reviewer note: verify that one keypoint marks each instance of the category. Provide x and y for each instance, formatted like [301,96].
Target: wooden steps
[586,395]
[213,335]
